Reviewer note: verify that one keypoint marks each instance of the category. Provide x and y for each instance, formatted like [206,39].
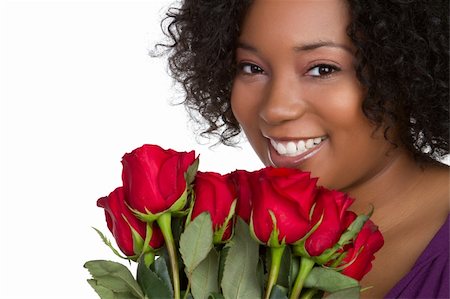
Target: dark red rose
[121,221]
[215,193]
[361,252]
[240,179]
[154,178]
[331,206]
[287,193]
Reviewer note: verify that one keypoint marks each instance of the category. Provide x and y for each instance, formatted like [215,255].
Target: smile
[294,152]
[295,148]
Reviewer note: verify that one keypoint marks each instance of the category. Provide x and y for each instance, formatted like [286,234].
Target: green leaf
[160,268]
[260,274]
[153,286]
[204,279]
[293,270]
[105,293]
[329,280]
[177,228]
[196,241]
[350,293]
[216,296]
[108,243]
[240,270]
[186,296]
[278,292]
[223,256]
[192,171]
[113,276]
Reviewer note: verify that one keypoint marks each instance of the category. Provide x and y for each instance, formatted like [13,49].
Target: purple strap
[429,276]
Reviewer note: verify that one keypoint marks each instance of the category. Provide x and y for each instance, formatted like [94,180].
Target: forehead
[301,20]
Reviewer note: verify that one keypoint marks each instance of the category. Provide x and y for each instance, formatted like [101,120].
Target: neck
[399,192]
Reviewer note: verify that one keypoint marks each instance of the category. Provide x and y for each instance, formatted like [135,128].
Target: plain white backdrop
[78,90]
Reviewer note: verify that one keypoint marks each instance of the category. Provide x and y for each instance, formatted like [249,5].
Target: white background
[78,90]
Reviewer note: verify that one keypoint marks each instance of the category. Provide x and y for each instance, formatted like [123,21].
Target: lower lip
[278,160]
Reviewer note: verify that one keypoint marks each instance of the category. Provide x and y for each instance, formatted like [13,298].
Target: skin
[297,81]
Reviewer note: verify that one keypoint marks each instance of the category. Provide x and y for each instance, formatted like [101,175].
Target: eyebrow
[302,47]
[320,44]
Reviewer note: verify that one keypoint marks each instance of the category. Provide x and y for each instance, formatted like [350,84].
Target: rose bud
[330,215]
[282,199]
[215,194]
[154,180]
[128,231]
[360,254]
[240,179]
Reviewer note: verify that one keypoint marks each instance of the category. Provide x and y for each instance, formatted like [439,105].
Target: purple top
[429,276]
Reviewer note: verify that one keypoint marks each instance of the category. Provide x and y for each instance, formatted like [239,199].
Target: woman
[356,92]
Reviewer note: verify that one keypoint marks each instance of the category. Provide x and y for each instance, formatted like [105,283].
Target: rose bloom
[289,194]
[154,178]
[331,206]
[215,194]
[241,181]
[121,221]
[361,252]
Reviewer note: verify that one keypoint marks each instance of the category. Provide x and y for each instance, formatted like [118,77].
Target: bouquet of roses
[270,233]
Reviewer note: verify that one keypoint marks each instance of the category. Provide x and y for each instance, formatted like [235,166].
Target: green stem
[309,294]
[164,222]
[276,253]
[188,289]
[306,266]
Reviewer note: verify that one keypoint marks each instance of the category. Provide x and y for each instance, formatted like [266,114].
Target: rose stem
[164,222]
[276,253]
[306,265]
[309,294]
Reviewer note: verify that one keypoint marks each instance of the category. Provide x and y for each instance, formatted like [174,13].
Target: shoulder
[429,277]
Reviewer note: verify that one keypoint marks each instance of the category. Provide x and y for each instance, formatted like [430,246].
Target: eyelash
[331,70]
[252,66]
[255,69]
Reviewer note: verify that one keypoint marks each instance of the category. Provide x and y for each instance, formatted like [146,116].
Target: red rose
[215,193]
[240,179]
[154,178]
[361,252]
[121,222]
[331,206]
[288,194]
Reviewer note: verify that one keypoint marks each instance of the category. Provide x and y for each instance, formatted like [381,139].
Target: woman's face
[296,94]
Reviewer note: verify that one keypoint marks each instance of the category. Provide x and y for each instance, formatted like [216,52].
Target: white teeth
[294,149]
[309,143]
[281,149]
[301,145]
[291,148]
[274,144]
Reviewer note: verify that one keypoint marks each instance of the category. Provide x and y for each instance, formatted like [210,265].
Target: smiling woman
[344,90]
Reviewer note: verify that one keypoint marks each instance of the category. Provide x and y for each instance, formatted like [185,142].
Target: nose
[283,101]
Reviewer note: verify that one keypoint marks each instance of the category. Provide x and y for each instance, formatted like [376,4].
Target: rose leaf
[204,279]
[112,276]
[329,280]
[240,271]
[196,241]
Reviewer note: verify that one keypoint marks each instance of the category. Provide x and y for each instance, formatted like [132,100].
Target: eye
[250,68]
[322,70]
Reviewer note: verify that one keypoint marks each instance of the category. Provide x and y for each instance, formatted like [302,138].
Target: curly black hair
[402,60]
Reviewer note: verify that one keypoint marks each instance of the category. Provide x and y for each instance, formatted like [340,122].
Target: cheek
[244,105]
[340,106]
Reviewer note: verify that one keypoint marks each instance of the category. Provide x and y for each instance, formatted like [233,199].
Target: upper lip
[287,139]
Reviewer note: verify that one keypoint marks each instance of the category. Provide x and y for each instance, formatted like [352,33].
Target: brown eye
[250,68]
[322,70]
